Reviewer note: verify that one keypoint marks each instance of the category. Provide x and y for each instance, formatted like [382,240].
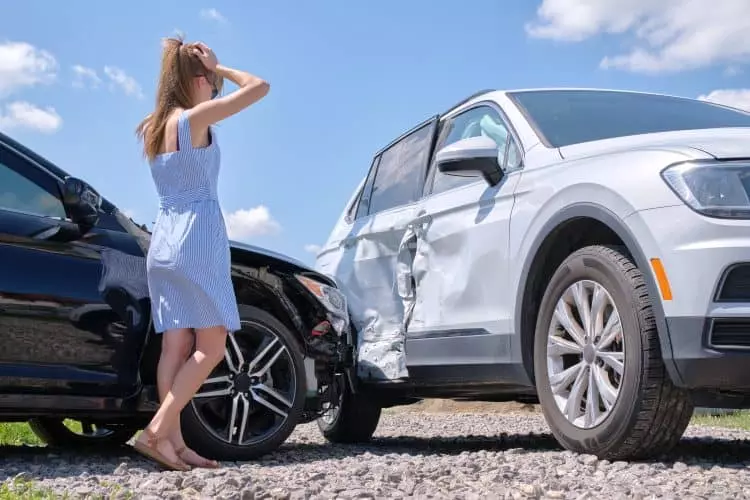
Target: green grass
[16,434]
[26,490]
[21,488]
[19,433]
[739,420]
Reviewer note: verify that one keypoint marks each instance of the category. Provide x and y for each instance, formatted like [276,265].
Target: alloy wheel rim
[330,413]
[585,354]
[250,395]
[331,409]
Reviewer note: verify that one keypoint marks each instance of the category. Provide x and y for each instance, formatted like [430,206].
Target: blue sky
[346,77]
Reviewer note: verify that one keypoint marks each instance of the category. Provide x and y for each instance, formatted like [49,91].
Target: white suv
[589,249]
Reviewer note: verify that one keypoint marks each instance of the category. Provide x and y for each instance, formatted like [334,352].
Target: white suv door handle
[422,219]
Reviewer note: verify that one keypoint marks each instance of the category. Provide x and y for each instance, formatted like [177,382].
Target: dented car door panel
[374,295]
[462,301]
[462,305]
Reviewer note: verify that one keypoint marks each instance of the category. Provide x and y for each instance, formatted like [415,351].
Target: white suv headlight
[714,189]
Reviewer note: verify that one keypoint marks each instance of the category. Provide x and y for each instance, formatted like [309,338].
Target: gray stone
[414,455]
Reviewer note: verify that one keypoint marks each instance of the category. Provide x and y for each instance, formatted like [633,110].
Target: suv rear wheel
[353,419]
[599,373]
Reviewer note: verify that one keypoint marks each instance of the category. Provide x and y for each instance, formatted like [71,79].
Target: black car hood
[254,252]
[241,252]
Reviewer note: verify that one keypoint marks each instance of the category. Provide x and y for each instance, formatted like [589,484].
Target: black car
[77,341]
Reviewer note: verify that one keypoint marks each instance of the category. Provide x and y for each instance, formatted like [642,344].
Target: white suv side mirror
[475,154]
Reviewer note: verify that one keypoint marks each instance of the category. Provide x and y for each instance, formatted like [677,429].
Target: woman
[188,262]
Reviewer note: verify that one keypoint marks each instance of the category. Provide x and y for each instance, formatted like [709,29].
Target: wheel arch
[549,249]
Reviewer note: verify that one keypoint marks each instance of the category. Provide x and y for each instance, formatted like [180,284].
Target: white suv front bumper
[707,266]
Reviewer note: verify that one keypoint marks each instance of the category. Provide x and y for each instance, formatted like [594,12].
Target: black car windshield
[564,117]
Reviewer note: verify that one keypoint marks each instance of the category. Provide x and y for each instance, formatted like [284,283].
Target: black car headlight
[714,189]
[332,299]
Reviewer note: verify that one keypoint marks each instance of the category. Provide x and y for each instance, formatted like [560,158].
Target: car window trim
[351,210]
[23,166]
[503,116]
[436,121]
[37,164]
[53,184]
[409,132]
[31,214]
[429,123]
[367,188]
[512,135]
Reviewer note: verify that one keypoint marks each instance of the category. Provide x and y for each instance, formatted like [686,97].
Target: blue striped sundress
[188,261]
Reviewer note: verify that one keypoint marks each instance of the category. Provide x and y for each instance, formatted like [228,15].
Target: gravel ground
[421,455]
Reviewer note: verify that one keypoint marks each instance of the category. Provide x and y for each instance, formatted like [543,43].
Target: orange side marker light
[661,278]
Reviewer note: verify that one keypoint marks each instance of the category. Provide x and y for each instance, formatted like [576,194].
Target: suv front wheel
[600,377]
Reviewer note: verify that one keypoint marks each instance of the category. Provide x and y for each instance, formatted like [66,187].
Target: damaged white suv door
[422,250]
[371,257]
[462,314]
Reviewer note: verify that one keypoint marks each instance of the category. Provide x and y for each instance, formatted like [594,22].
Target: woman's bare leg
[175,349]
[209,351]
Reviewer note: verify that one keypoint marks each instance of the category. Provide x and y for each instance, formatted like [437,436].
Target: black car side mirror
[472,155]
[82,202]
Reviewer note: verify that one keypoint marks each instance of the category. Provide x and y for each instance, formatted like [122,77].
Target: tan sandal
[207,463]
[150,451]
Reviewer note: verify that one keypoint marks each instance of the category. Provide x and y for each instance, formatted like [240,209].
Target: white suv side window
[19,194]
[475,122]
[400,175]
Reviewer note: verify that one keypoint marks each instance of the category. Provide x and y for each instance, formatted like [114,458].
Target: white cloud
[737,98]
[245,224]
[23,65]
[125,82]
[213,15]
[85,77]
[733,70]
[314,249]
[24,115]
[668,35]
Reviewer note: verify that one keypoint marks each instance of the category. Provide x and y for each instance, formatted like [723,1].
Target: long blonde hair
[179,66]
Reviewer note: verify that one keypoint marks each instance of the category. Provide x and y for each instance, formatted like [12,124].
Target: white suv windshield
[564,117]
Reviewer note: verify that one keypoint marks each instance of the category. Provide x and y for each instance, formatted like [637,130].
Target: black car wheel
[602,383]
[61,433]
[353,419]
[253,400]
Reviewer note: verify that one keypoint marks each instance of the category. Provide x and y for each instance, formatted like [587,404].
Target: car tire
[633,415]
[54,433]
[201,419]
[353,421]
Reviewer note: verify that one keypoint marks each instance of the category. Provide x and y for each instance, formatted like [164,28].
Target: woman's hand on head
[251,89]
[206,56]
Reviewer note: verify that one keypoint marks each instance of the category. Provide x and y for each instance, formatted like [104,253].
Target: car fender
[610,186]
[544,226]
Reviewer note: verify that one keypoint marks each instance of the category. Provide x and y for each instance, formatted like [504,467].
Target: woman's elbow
[263,88]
